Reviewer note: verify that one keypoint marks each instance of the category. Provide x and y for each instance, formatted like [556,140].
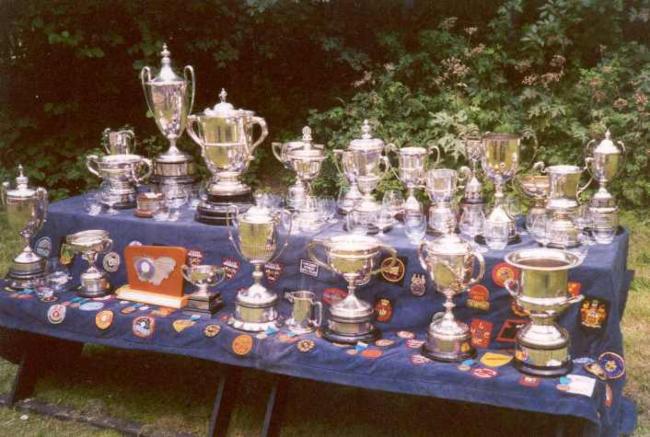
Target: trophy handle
[586,185]
[149,165]
[393,256]
[91,163]
[432,148]
[131,135]
[188,74]
[338,158]
[319,313]
[387,166]
[284,214]
[574,299]
[312,255]
[288,296]
[191,121]
[265,132]
[108,245]
[513,288]
[105,141]
[538,166]
[145,77]
[230,220]
[221,276]
[624,150]
[464,175]
[3,192]
[420,252]
[186,275]
[43,203]
[276,148]
[481,269]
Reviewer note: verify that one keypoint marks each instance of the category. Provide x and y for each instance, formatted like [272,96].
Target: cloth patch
[481,331]
[393,271]
[509,329]
[479,297]
[383,309]
[503,272]
[418,284]
[594,313]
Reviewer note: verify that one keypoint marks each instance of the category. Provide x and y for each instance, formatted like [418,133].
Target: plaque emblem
[309,268]
[153,270]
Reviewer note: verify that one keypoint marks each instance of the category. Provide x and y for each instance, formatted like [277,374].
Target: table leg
[26,376]
[275,407]
[224,401]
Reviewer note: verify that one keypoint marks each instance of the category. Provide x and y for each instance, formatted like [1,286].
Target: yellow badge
[211,330]
[492,359]
[104,319]
[393,270]
[305,345]
[242,344]
[182,324]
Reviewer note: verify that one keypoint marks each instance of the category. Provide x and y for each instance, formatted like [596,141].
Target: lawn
[174,393]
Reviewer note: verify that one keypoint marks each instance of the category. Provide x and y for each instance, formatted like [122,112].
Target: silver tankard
[118,142]
[306,313]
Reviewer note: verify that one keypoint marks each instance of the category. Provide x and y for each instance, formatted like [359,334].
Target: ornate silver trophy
[500,161]
[355,257]
[118,142]
[225,135]
[562,204]
[542,346]
[537,187]
[93,282]
[122,173]
[170,98]
[257,242]
[412,169]
[450,264]
[202,301]
[26,212]
[441,188]
[472,203]
[296,193]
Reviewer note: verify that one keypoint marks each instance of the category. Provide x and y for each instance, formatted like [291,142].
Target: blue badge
[613,364]
[565,381]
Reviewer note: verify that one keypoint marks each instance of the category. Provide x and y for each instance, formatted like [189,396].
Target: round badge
[284,338]
[405,334]
[43,247]
[143,326]
[503,272]
[91,306]
[351,352]
[613,365]
[211,330]
[483,373]
[104,319]
[56,314]
[242,344]
[414,344]
[384,342]
[372,353]
[111,262]
[135,243]
[393,270]
[128,310]
[305,345]
[49,299]
[181,325]
[418,359]
[145,269]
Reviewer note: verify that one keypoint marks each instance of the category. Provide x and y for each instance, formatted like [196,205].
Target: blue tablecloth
[395,367]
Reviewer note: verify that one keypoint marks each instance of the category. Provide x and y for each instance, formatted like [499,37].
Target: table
[395,367]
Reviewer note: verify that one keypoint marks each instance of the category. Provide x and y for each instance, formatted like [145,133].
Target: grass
[171,393]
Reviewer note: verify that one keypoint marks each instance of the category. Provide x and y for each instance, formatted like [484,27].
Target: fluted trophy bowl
[500,158]
[122,172]
[356,258]
[542,346]
[93,282]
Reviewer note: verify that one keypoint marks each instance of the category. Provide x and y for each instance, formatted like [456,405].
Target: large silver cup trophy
[412,170]
[542,346]
[225,135]
[356,258]
[450,264]
[296,194]
[500,161]
[122,173]
[441,185]
[258,242]
[562,204]
[118,142]
[170,98]
[93,282]
[26,212]
[306,162]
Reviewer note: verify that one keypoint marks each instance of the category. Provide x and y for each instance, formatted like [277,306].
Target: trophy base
[26,270]
[336,336]
[447,357]
[448,341]
[551,359]
[373,229]
[516,239]
[252,326]
[24,283]
[297,329]
[94,291]
[217,213]
[203,305]
[549,372]
[125,292]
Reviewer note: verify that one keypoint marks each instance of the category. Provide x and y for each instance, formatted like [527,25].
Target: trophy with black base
[202,301]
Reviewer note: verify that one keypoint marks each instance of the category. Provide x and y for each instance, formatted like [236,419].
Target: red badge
[194,257]
[333,295]
[529,381]
[503,272]
[484,373]
[481,331]
[273,271]
[383,309]
[479,297]
[508,331]
[609,395]
[574,288]
[230,266]
[372,353]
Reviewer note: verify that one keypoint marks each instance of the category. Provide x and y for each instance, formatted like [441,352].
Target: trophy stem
[202,290]
[449,305]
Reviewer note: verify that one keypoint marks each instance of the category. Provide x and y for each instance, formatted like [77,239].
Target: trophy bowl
[203,276]
[441,185]
[542,346]
[536,187]
[123,173]
[93,282]
[118,142]
[355,257]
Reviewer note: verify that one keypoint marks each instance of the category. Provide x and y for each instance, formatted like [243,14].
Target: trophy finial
[165,53]
[366,130]
[608,135]
[223,94]
[20,171]
[306,134]
[21,179]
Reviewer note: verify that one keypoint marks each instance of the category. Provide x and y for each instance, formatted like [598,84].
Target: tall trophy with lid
[170,98]
[26,212]
[225,135]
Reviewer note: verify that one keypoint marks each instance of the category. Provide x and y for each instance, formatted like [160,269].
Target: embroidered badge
[66,255]
[479,297]
[230,266]
[393,270]
[574,288]
[104,319]
[194,257]
[181,325]
[91,306]
[56,314]
[405,334]
[111,262]
[333,295]
[308,268]
[594,312]
[384,342]
[383,309]
[305,345]
[418,359]
[613,365]
[211,330]
[484,373]
[43,247]
[492,359]
[242,345]
[143,326]
[128,310]
[509,329]
[418,284]
[49,299]
[481,331]
[595,369]
[529,381]
[412,343]
[272,272]
[372,353]
[503,272]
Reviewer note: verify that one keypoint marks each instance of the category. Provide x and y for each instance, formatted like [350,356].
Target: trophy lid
[366,141]
[607,146]
[257,214]
[166,75]
[22,190]
[223,109]
[448,245]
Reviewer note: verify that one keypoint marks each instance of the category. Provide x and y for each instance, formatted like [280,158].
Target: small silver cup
[307,312]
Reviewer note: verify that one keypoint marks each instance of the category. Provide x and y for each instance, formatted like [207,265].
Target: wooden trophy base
[203,305]
[126,292]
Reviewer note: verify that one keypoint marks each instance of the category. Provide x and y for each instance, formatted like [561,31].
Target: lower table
[394,364]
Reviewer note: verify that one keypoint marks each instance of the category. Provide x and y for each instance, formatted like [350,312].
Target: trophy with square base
[26,212]
[202,301]
[170,98]
[542,346]
[93,282]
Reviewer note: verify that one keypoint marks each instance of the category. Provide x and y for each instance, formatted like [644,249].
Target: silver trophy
[225,135]
[472,203]
[258,242]
[118,142]
[441,186]
[26,212]
[537,187]
[306,312]
[170,98]
[122,173]
[202,301]
[296,193]
[356,258]
[412,170]
[542,346]
[450,264]
[500,161]
[93,282]
[562,204]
